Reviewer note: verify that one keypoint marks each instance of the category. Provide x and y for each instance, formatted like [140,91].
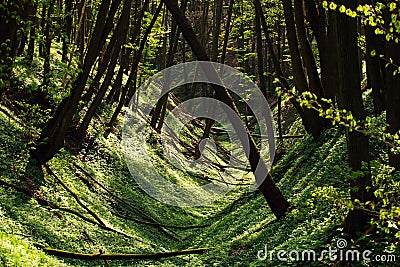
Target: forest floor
[235,228]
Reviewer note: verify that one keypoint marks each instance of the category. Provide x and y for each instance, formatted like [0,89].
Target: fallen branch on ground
[74,195]
[155,256]
[125,202]
[158,224]
[44,202]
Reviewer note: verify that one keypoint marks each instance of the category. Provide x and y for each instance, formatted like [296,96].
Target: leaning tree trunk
[115,92]
[272,194]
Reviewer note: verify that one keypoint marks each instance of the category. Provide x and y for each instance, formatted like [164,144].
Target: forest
[199,133]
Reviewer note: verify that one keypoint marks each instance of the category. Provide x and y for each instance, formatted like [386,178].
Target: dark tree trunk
[114,93]
[42,27]
[31,44]
[48,33]
[260,54]
[106,56]
[161,107]
[350,98]
[214,57]
[306,51]
[375,68]
[392,92]
[227,31]
[311,121]
[9,36]
[68,29]
[276,62]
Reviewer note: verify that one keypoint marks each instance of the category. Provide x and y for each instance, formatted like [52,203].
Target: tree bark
[311,119]
[9,26]
[68,29]
[128,90]
[350,98]
[48,33]
[375,68]
[260,54]
[227,31]
[392,90]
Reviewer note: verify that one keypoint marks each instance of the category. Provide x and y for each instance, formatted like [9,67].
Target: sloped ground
[311,175]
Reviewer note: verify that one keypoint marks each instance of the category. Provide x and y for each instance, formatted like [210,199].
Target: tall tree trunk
[68,29]
[277,65]
[375,68]
[106,56]
[312,120]
[392,90]
[260,54]
[42,26]
[32,36]
[161,107]
[114,93]
[350,98]
[48,33]
[9,26]
[227,31]
[310,65]
[274,197]
[218,4]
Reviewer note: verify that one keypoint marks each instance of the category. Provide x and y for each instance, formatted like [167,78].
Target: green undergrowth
[311,175]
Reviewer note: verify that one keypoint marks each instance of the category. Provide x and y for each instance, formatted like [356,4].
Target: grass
[310,174]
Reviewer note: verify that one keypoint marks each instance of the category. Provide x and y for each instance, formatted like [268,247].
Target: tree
[312,122]
[350,98]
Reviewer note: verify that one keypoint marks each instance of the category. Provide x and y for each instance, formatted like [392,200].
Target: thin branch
[158,224]
[74,195]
